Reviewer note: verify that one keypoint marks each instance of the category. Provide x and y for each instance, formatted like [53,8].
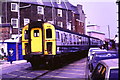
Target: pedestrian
[10,54]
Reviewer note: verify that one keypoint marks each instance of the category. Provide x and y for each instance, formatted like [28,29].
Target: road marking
[23,76]
[56,76]
[78,63]
[69,73]
[72,69]
[36,73]
[29,77]
[12,74]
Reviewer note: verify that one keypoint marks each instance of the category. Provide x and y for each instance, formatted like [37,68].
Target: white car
[91,52]
[105,70]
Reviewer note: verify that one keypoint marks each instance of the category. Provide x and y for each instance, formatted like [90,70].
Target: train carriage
[45,43]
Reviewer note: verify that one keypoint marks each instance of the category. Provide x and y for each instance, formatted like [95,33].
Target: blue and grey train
[45,43]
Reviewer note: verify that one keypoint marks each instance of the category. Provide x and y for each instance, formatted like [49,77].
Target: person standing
[10,54]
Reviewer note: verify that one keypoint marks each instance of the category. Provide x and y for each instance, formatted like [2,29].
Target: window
[40,10]
[26,21]
[36,33]
[26,34]
[99,73]
[14,22]
[48,33]
[14,7]
[0,19]
[59,12]
[70,37]
[57,35]
[60,24]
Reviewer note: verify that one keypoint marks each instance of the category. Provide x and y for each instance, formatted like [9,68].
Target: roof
[50,3]
[110,62]
[107,52]
[96,32]
[89,25]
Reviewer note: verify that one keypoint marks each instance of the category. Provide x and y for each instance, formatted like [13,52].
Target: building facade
[94,31]
[59,12]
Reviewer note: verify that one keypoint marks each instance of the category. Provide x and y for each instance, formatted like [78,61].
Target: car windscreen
[113,74]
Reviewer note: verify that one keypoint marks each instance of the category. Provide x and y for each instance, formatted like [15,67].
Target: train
[49,44]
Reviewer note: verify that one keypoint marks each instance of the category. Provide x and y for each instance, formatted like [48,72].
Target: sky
[101,13]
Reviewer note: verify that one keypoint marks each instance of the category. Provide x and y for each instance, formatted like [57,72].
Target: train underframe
[53,61]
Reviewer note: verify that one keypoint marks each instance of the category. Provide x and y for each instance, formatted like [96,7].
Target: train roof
[36,24]
[62,29]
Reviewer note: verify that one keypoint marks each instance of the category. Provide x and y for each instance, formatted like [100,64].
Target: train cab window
[36,33]
[48,33]
[57,35]
[62,37]
[26,34]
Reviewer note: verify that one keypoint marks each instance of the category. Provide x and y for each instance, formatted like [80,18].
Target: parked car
[101,56]
[90,51]
[105,70]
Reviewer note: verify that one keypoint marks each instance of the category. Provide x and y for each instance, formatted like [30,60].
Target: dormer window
[14,7]
[59,11]
[40,10]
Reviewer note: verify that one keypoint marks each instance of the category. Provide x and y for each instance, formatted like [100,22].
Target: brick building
[58,12]
[5,31]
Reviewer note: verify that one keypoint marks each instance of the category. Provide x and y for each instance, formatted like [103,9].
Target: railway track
[72,70]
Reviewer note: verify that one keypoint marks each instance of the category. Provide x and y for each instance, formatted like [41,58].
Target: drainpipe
[52,12]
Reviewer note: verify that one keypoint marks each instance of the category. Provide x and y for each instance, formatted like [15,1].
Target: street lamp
[23,7]
[19,26]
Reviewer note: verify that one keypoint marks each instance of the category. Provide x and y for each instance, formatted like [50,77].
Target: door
[36,40]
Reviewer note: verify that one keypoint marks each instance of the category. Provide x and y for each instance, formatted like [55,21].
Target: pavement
[4,63]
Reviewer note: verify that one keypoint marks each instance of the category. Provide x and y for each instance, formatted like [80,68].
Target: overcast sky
[101,13]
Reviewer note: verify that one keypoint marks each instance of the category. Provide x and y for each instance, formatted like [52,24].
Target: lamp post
[17,55]
[109,31]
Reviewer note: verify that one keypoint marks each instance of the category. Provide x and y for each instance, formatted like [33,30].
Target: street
[75,70]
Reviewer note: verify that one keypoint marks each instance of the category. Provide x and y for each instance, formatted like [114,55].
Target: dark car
[105,70]
[102,56]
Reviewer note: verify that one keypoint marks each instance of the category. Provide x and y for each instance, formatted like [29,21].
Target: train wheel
[50,64]
[34,65]
[35,62]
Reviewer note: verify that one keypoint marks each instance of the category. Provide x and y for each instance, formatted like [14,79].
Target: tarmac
[4,63]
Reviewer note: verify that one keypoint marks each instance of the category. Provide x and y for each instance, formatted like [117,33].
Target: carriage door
[36,40]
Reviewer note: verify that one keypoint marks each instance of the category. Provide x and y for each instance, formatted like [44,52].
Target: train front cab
[40,45]
[49,39]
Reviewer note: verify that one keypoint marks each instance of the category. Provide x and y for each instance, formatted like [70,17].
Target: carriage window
[70,38]
[36,33]
[48,33]
[62,37]
[57,35]
[26,34]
